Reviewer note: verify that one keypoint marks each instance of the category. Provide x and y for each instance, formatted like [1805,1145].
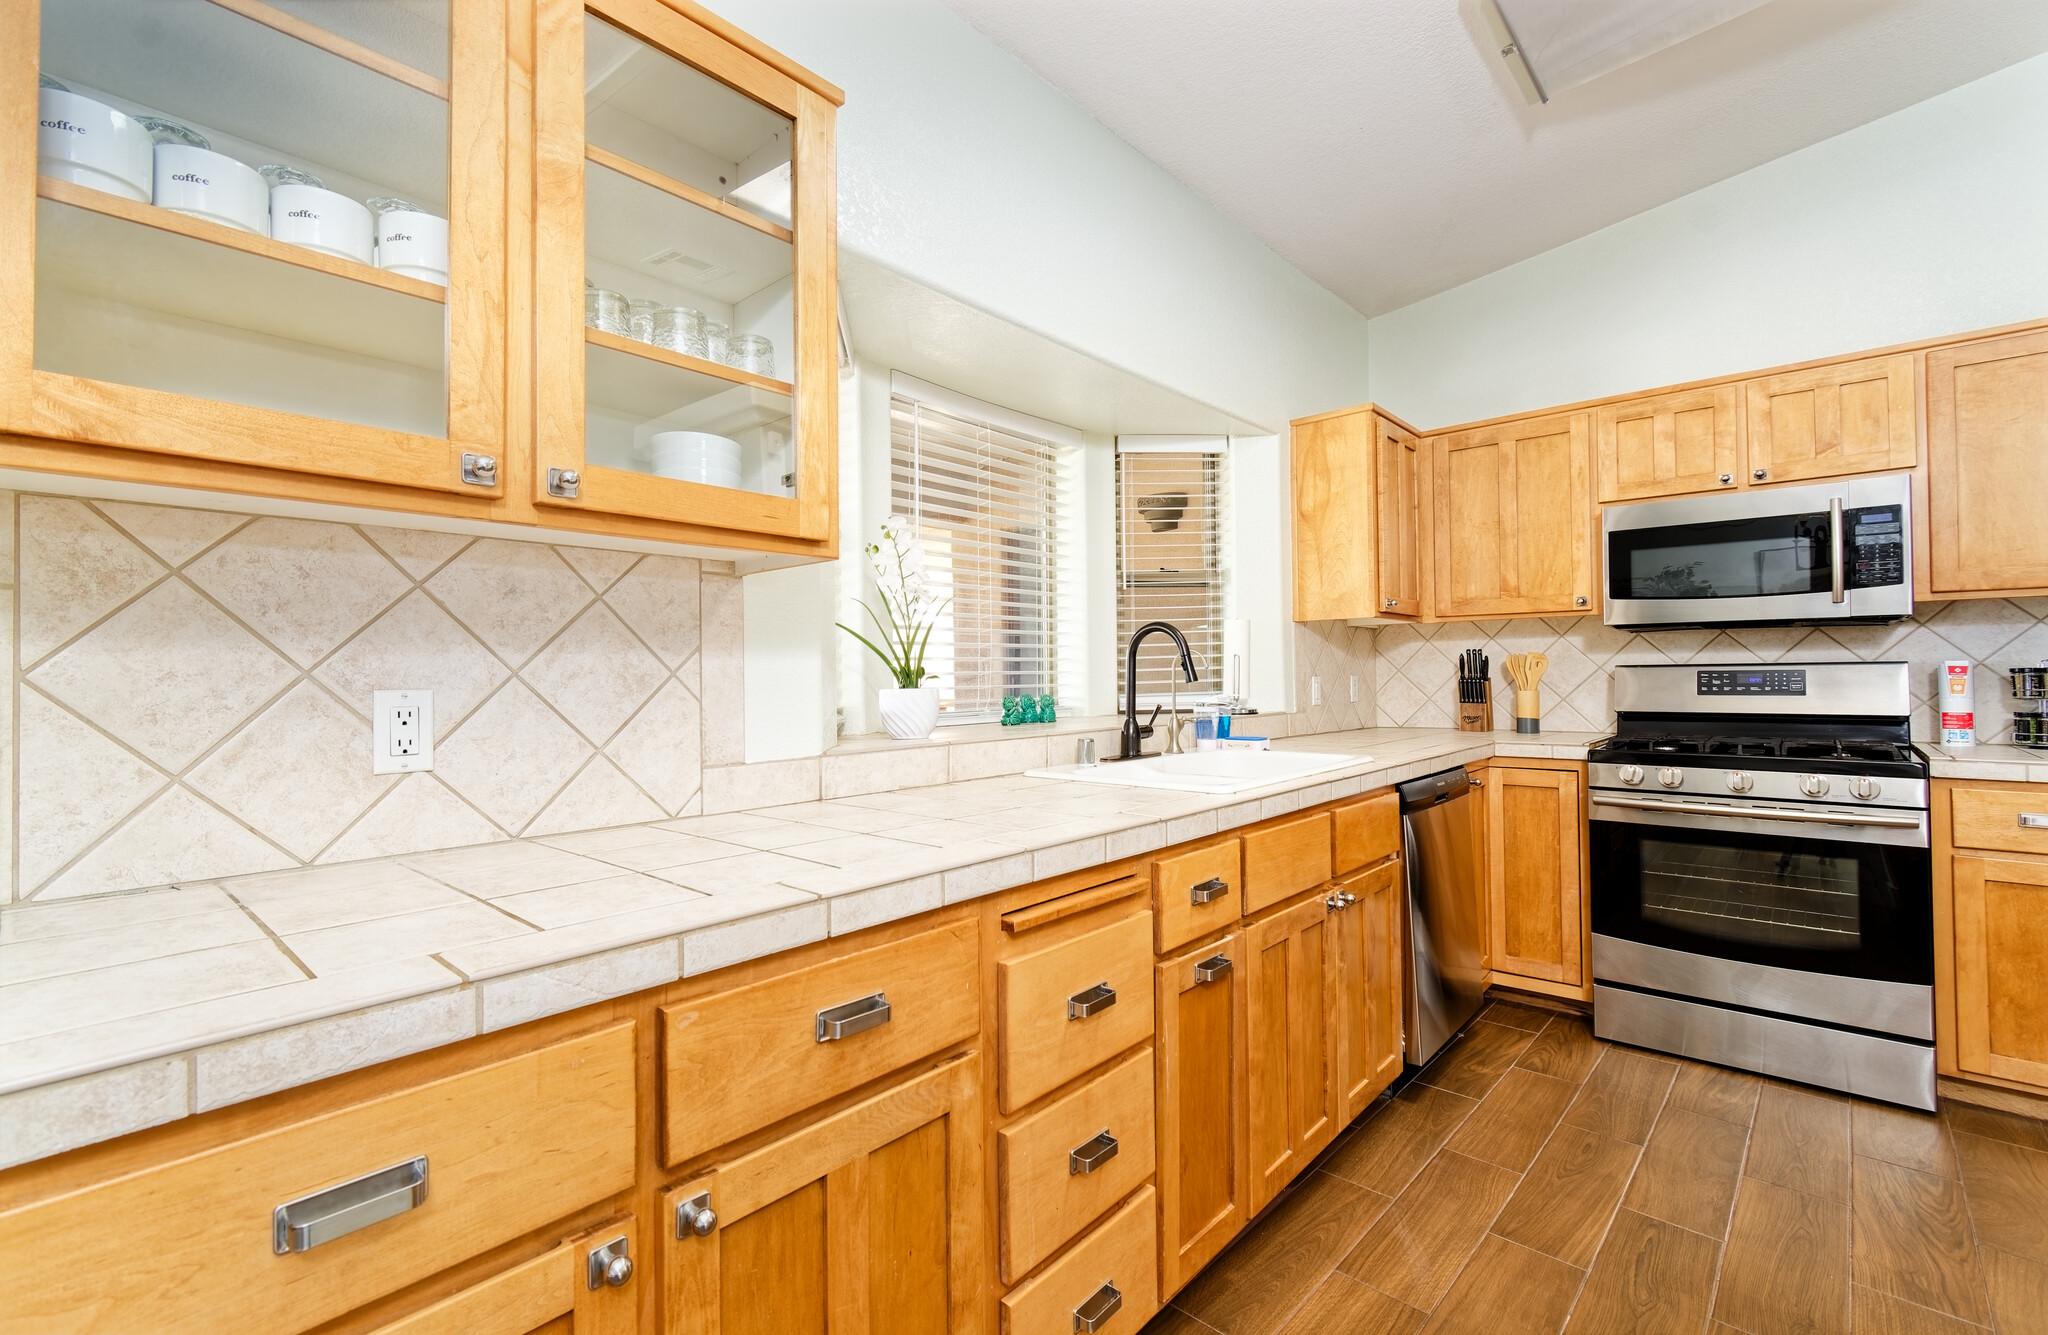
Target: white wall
[1927,222]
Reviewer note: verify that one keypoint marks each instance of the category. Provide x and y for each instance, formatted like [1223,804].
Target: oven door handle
[1838,592]
[1762,813]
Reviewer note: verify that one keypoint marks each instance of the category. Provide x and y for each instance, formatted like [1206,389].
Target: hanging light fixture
[1552,45]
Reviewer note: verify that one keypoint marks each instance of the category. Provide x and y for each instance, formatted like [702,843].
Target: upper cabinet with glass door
[265,234]
[687,341]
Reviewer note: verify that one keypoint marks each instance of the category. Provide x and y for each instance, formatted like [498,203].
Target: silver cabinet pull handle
[1208,891]
[850,1017]
[1085,1159]
[1209,970]
[303,1224]
[2033,820]
[695,1216]
[608,1266]
[1084,1004]
[1103,1304]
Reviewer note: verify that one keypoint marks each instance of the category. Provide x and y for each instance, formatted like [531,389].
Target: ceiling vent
[699,271]
[1552,45]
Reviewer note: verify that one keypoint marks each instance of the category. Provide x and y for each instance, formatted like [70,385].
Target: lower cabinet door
[1367,932]
[1534,868]
[1204,1170]
[1291,1077]
[567,1291]
[868,1221]
[1106,1283]
[2001,928]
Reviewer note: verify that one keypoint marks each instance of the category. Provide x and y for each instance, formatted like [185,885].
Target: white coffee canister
[696,456]
[322,220]
[213,186]
[1957,704]
[414,244]
[89,143]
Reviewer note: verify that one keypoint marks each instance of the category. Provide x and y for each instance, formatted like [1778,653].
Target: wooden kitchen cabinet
[1204,1168]
[1846,417]
[677,167]
[1357,517]
[1535,875]
[1669,444]
[2001,956]
[1512,519]
[549,1295]
[1293,1104]
[1367,932]
[870,1219]
[1987,433]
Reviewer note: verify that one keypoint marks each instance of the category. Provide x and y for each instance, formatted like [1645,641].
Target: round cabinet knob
[1761,474]
[1740,782]
[696,1216]
[1391,602]
[1727,479]
[1814,785]
[618,1270]
[1580,602]
[1631,775]
[1864,788]
[1669,777]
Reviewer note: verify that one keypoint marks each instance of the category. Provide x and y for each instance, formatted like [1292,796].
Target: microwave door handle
[1838,593]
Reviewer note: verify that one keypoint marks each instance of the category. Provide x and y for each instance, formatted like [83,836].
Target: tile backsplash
[191,690]
[1417,665]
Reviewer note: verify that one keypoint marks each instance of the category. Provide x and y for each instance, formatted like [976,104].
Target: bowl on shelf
[213,186]
[89,143]
[411,241]
[306,213]
[696,456]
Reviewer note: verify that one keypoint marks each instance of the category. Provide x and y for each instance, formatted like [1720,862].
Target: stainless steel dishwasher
[1440,824]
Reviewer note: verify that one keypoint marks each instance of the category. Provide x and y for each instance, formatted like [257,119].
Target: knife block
[1477,715]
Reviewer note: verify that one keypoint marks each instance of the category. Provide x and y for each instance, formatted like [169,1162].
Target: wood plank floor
[1534,1179]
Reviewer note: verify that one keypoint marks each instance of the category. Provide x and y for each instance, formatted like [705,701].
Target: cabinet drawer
[1054,1025]
[1049,1191]
[1366,831]
[2000,818]
[1121,1255]
[1179,879]
[509,1147]
[1285,859]
[736,1061]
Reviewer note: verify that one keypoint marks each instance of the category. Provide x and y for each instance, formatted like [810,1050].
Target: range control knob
[1864,788]
[1814,785]
[1670,777]
[1740,782]
[1630,774]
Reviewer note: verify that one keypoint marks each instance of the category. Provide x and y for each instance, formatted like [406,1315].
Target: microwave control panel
[1874,547]
[1752,681]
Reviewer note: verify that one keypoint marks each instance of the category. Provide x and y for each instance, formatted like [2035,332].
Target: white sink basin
[1214,772]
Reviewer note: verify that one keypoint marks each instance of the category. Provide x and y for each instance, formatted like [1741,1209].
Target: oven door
[1839,551]
[1818,924]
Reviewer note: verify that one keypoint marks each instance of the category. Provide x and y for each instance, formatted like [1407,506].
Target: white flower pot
[910,715]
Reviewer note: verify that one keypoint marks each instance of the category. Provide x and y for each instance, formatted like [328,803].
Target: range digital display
[1752,681]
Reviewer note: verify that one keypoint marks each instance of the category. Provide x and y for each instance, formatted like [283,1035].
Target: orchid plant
[911,609]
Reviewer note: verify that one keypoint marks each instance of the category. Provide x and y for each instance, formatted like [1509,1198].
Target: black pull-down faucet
[1134,733]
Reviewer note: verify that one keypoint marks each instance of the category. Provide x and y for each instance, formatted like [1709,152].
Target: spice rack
[2030,727]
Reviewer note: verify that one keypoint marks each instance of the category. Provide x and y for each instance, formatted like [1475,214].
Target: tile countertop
[125,1011]
[2015,764]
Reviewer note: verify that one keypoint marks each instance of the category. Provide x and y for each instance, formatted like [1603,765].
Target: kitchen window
[985,489]
[1170,537]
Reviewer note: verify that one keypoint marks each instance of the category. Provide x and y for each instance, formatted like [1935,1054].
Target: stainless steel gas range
[1762,884]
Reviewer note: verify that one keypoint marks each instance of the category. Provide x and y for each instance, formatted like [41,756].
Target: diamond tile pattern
[1417,665]
[193,689]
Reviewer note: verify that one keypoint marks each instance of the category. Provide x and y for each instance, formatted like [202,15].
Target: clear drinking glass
[716,339]
[679,329]
[752,352]
[606,310]
[640,318]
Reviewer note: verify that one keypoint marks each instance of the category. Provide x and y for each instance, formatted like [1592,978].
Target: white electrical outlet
[1315,690]
[401,731]
[1354,688]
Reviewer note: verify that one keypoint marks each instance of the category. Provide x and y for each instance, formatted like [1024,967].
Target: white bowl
[212,186]
[321,220]
[696,456]
[414,244]
[91,144]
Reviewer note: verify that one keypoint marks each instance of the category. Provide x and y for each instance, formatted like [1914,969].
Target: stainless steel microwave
[1833,551]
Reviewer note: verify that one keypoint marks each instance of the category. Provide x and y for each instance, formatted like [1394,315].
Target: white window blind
[1170,530]
[985,500]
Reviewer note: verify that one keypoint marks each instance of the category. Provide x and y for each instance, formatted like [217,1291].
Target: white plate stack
[697,456]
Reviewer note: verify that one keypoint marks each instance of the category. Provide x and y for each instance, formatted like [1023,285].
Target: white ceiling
[1379,146]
